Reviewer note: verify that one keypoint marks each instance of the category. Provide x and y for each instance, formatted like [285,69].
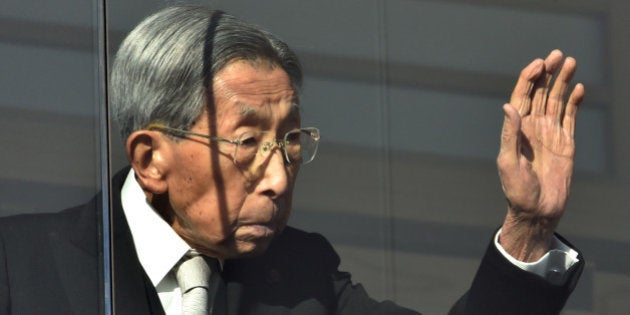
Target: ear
[148,154]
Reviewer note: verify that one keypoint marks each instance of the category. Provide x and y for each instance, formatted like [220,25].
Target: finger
[541,87]
[570,112]
[510,136]
[521,95]
[556,97]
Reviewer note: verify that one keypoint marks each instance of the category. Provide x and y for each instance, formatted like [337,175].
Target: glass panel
[472,29]
[53,156]
[407,96]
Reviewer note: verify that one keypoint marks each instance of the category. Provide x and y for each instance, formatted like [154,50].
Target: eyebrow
[246,110]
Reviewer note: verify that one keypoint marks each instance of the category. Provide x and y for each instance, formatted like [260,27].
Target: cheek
[206,194]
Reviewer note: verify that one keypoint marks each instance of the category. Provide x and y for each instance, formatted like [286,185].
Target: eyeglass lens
[299,146]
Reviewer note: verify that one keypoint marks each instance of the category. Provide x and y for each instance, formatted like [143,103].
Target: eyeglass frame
[266,145]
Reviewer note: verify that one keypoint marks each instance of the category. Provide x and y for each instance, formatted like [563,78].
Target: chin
[250,240]
[250,248]
[237,247]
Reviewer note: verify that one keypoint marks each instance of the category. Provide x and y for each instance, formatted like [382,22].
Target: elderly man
[208,106]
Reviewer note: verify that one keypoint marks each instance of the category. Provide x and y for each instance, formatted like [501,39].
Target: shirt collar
[158,247]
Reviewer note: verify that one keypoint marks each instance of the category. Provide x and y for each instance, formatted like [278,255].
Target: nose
[275,177]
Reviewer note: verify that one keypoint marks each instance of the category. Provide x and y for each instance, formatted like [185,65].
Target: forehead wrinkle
[249,111]
[254,86]
[252,97]
[240,99]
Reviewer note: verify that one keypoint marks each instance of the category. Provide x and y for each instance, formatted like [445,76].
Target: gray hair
[164,68]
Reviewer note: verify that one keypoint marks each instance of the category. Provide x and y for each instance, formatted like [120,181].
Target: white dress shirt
[551,266]
[159,248]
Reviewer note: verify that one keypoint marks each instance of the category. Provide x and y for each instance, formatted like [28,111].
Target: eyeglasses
[298,145]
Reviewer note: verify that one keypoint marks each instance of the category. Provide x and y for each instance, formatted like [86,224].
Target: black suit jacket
[49,264]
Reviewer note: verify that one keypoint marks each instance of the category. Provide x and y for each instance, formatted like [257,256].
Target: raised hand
[536,157]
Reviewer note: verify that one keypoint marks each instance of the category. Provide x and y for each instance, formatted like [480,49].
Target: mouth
[255,231]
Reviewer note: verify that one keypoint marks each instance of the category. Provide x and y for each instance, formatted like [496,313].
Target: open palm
[537,148]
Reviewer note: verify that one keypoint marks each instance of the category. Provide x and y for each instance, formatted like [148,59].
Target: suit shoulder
[291,249]
[36,223]
[309,247]
[295,237]
[298,240]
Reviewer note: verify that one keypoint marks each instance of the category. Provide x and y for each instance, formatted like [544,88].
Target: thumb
[510,135]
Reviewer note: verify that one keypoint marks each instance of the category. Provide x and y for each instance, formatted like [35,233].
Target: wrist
[527,239]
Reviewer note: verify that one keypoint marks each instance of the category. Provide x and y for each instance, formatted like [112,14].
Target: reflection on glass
[412,192]
[50,112]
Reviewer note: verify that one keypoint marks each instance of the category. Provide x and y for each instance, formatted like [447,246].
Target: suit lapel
[133,291]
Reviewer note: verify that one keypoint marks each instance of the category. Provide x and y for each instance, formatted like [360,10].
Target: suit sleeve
[499,287]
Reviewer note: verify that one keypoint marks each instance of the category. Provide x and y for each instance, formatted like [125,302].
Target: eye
[293,137]
[249,141]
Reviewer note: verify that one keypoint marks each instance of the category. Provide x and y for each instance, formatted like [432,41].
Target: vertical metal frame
[105,264]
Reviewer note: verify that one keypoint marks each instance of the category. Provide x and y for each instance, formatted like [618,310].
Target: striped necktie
[194,276]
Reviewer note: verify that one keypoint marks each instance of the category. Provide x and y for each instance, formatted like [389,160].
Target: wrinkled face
[220,208]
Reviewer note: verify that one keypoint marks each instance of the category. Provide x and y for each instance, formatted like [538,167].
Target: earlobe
[146,154]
